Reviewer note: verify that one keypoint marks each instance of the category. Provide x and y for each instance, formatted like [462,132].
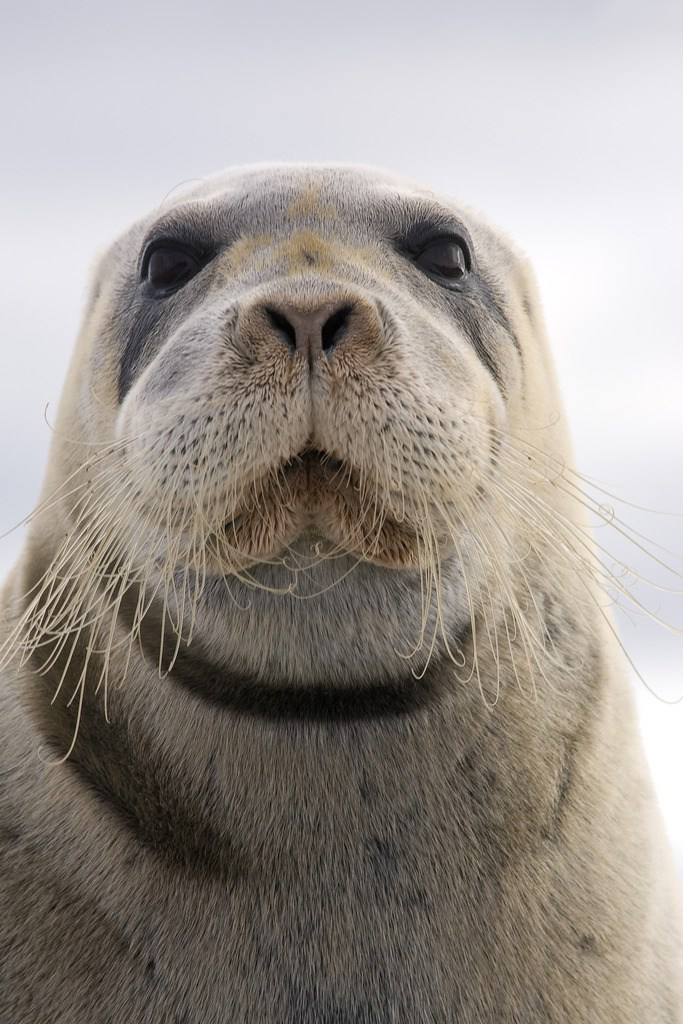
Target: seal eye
[445,260]
[170,266]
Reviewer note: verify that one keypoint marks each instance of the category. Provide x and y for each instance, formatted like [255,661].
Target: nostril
[334,328]
[282,326]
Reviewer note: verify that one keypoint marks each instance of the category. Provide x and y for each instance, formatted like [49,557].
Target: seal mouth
[309,465]
[310,460]
[305,481]
[317,491]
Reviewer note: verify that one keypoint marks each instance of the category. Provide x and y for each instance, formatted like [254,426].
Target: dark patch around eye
[441,248]
[166,266]
[144,320]
[470,320]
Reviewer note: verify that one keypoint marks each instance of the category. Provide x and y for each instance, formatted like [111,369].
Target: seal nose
[310,331]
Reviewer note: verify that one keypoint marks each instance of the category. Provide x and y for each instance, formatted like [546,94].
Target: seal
[312,710]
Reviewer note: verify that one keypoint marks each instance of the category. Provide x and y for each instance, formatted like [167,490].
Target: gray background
[561,123]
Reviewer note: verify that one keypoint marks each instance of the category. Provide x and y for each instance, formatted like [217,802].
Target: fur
[312,709]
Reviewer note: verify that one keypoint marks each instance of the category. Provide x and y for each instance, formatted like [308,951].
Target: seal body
[311,707]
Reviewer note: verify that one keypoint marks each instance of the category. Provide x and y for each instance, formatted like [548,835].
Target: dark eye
[444,259]
[170,266]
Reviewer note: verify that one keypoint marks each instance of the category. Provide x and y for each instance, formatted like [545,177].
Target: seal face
[303,358]
[310,616]
[306,370]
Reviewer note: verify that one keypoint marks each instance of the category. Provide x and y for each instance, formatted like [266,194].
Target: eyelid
[164,242]
[450,237]
[413,241]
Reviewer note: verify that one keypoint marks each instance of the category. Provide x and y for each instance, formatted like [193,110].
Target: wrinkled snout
[313,330]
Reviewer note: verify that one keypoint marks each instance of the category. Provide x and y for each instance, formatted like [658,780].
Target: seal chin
[311,544]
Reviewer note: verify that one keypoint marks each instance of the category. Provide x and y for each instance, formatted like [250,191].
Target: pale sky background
[561,122]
